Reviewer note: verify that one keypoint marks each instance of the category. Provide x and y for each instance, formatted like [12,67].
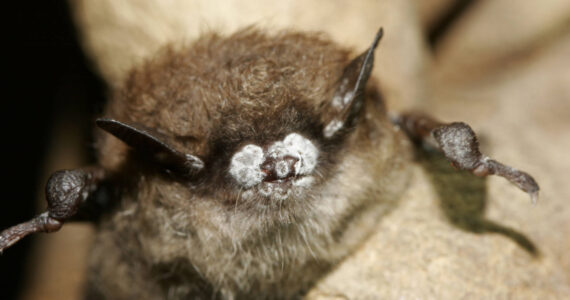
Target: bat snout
[281,168]
[280,162]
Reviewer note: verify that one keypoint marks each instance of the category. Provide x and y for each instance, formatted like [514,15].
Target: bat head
[253,122]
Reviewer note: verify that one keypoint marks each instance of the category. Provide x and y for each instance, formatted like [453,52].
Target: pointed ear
[347,99]
[153,144]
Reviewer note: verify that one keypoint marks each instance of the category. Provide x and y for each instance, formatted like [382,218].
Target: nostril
[286,166]
[279,168]
[282,168]
[291,161]
[268,166]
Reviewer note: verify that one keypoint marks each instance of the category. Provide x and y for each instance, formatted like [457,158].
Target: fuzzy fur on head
[277,202]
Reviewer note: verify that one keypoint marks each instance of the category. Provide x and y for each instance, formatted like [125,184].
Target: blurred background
[51,96]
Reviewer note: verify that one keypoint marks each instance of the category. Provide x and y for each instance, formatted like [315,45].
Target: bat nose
[279,168]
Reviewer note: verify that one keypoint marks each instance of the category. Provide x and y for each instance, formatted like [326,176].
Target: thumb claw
[533,197]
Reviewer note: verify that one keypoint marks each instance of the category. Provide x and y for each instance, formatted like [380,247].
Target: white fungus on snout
[301,148]
[245,166]
[275,190]
[304,182]
[277,150]
[282,168]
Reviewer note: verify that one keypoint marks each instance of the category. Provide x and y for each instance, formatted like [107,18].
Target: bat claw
[533,197]
[41,223]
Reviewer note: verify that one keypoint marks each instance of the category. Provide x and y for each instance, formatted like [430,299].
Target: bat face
[252,122]
[270,162]
[268,167]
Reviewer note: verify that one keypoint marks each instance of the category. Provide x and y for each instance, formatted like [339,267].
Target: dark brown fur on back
[174,238]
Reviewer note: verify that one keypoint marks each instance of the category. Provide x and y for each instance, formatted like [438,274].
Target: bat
[244,166]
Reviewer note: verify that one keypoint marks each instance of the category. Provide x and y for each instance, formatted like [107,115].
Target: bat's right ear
[152,143]
[349,93]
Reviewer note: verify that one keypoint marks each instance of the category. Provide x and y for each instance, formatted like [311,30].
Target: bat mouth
[276,180]
[285,182]
[284,188]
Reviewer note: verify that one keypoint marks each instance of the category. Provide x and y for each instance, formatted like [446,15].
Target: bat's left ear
[347,99]
[154,145]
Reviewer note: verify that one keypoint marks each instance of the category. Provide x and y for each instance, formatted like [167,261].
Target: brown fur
[178,239]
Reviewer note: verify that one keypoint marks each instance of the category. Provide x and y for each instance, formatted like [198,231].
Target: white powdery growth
[304,182]
[282,168]
[337,101]
[275,191]
[347,98]
[341,98]
[459,144]
[245,166]
[295,145]
[332,128]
